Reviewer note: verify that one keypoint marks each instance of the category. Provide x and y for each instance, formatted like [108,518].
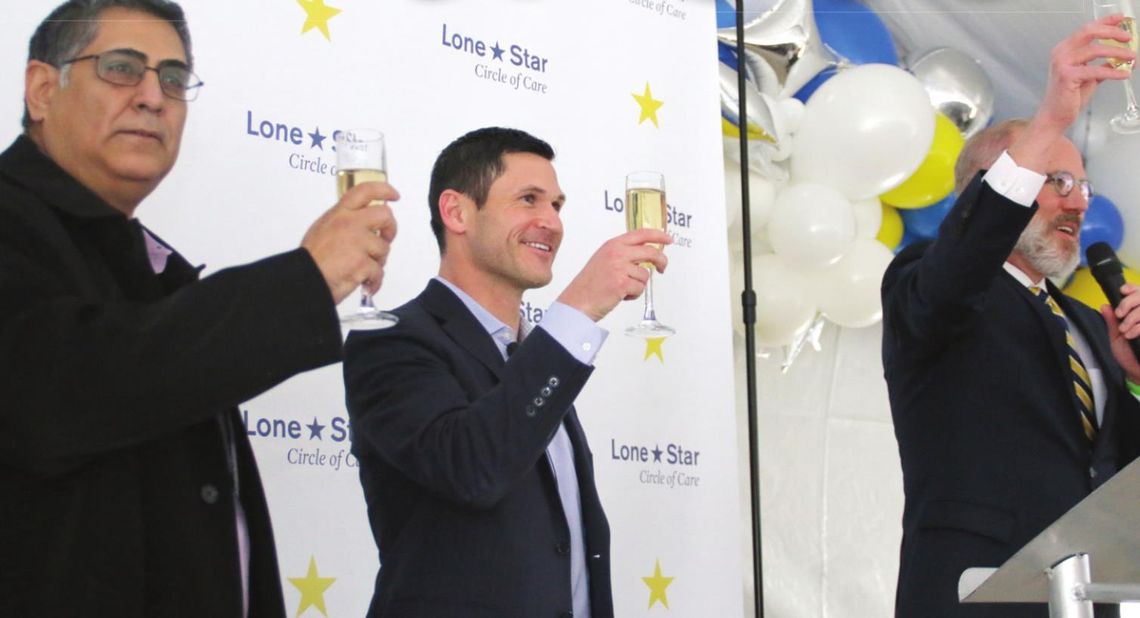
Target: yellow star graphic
[317,16]
[649,106]
[657,585]
[653,348]
[312,588]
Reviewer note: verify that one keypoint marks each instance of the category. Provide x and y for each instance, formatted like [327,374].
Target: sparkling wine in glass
[1127,121]
[645,208]
[360,157]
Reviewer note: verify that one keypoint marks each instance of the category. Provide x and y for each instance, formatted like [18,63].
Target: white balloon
[784,308]
[783,122]
[731,192]
[791,113]
[1112,171]
[848,293]
[811,225]
[761,197]
[864,131]
[868,217]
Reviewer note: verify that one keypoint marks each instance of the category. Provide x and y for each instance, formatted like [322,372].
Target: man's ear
[455,211]
[41,82]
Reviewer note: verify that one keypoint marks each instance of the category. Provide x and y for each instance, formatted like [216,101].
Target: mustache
[1067,218]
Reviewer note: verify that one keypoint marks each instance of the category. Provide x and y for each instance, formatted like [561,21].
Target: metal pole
[748,301]
[1065,578]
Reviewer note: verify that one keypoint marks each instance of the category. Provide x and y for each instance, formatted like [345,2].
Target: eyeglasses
[127,68]
[1063,183]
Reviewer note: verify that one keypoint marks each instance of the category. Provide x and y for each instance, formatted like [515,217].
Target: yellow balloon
[891,231]
[1085,289]
[934,179]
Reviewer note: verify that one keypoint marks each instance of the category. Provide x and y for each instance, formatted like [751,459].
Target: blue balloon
[908,238]
[855,32]
[924,222]
[727,56]
[725,14]
[1102,223]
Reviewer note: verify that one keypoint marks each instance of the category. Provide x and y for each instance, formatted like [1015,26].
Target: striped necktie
[1082,385]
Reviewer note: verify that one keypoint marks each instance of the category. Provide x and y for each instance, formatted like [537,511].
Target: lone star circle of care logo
[665,465]
[315,442]
[499,60]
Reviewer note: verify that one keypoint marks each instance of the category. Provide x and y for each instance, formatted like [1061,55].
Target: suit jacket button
[209,494]
[563,549]
[531,410]
[1092,472]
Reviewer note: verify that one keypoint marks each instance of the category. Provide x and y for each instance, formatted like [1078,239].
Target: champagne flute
[645,208]
[360,157]
[1127,121]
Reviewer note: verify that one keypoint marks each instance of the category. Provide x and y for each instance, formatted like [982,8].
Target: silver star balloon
[784,35]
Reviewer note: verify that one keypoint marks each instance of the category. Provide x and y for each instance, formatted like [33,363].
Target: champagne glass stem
[649,315]
[1130,96]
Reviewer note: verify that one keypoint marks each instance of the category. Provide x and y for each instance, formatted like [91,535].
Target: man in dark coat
[129,486]
[478,477]
[1009,399]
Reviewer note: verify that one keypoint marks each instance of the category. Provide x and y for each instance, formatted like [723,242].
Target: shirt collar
[1023,278]
[495,327]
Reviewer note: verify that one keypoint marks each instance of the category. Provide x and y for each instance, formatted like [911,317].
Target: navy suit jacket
[451,441]
[984,411]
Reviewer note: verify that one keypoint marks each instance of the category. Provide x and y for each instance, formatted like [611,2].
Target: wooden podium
[1091,554]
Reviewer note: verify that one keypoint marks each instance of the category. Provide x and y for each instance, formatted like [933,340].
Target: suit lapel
[461,326]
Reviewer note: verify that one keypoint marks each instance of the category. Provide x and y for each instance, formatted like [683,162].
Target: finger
[633,289]
[365,193]
[1100,50]
[380,220]
[1128,303]
[646,235]
[372,277]
[377,249]
[1110,320]
[646,253]
[637,273]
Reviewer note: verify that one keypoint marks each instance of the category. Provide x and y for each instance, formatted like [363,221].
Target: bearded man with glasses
[129,486]
[1011,402]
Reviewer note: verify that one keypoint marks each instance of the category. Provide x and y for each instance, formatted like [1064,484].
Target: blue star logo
[315,430]
[656,453]
[498,51]
[318,139]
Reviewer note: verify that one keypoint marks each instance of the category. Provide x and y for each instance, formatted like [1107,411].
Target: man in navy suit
[478,478]
[1009,399]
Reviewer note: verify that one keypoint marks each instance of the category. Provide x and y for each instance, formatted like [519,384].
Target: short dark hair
[471,164]
[75,23]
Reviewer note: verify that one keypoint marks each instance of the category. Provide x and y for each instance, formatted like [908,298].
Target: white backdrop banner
[615,86]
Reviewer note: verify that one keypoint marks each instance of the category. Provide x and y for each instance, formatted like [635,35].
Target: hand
[1124,326]
[350,242]
[614,273]
[1073,77]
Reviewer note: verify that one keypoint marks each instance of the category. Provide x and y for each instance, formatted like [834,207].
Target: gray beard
[1043,253]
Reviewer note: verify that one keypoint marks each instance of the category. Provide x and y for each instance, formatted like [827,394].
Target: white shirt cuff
[574,331]
[1014,183]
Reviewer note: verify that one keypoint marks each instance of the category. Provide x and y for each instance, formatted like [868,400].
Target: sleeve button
[546,392]
[209,494]
[531,410]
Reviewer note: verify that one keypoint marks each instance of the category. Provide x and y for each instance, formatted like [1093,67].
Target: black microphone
[1109,273]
